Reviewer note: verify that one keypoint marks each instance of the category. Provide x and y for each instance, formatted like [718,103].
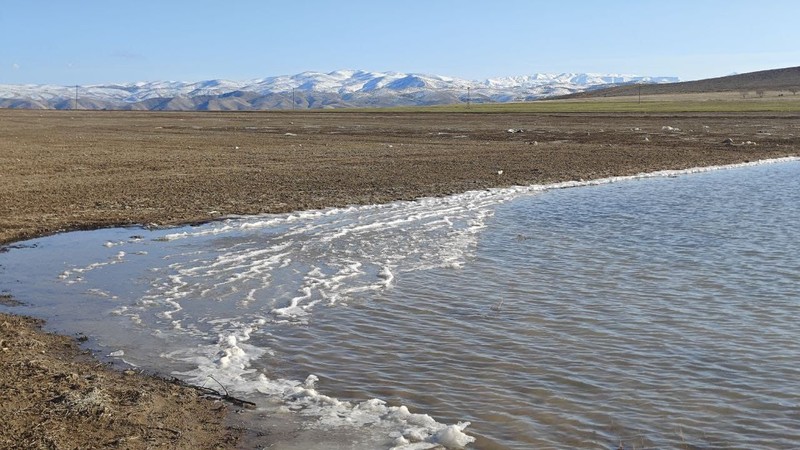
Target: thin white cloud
[15,66]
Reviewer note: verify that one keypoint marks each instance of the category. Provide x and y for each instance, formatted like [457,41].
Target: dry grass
[713,102]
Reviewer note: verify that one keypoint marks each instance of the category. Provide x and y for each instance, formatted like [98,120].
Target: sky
[92,42]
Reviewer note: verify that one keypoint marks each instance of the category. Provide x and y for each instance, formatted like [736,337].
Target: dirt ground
[53,396]
[63,170]
[69,170]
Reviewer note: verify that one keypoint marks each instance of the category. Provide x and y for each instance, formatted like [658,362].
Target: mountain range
[338,89]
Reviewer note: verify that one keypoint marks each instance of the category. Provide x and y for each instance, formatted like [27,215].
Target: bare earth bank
[54,396]
[65,170]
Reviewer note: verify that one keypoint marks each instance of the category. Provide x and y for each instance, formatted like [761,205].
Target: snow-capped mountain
[338,89]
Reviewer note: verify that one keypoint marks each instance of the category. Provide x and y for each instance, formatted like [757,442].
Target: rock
[728,141]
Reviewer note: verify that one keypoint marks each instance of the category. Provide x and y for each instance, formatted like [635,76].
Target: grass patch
[708,102]
[616,106]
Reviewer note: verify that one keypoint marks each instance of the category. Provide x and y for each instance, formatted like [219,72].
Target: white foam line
[293,310]
[101,293]
[412,213]
[65,275]
[229,362]
[226,261]
[247,265]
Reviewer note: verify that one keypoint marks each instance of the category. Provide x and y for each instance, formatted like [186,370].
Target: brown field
[737,97]
[65,170]
[727,101]
[71,170]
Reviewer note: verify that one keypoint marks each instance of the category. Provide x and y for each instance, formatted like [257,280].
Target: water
[649,313]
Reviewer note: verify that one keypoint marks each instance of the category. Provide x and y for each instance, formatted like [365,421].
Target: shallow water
[649,313]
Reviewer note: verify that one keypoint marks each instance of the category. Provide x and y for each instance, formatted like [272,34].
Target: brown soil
[71,170]
[53,396]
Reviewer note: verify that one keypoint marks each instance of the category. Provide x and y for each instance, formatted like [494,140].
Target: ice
[386,275]
[453,436]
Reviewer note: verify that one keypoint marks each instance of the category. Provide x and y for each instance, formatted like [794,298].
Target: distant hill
[338,89]
[787,79]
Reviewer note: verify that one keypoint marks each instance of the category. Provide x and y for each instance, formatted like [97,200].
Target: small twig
[215,393]
[220,384]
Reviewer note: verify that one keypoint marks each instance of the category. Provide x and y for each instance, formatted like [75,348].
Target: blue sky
[89,42]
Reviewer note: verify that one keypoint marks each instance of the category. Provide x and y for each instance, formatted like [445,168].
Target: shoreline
[4,246]
[56,183]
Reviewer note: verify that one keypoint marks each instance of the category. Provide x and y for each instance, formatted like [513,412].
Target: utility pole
[293,102]
[76,96]
[640,92]
[469,96]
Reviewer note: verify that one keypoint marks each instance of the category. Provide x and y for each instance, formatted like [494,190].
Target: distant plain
[713,102]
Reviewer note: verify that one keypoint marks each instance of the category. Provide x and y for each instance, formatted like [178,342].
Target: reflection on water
[656,313]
